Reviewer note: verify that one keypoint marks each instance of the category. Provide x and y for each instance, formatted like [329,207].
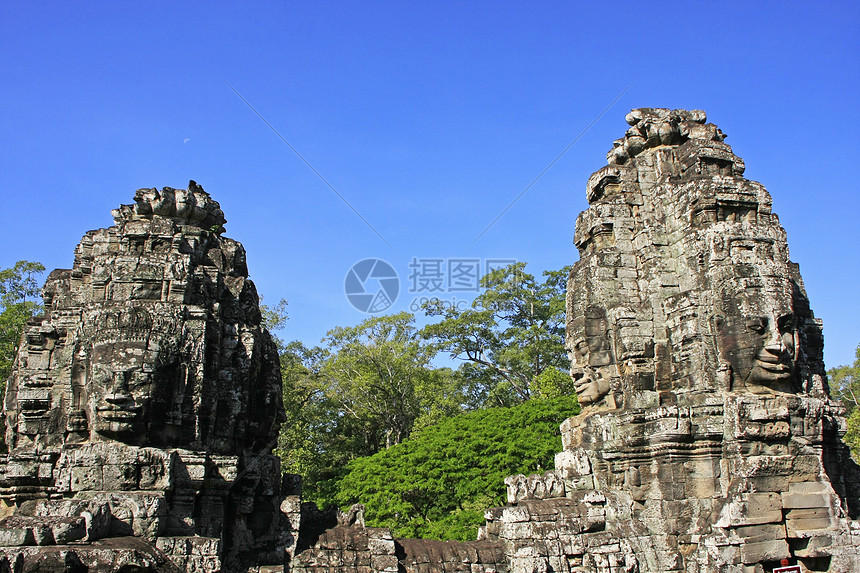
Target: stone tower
[707,441]
[684,285]
[146,402]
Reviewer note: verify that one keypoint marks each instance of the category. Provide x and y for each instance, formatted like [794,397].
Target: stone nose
[776,346]
[118,393]
[775,343]
[780,346]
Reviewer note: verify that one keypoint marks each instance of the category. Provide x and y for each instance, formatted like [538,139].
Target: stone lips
[150,394]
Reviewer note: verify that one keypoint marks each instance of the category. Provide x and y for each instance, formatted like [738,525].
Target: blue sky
[429,118]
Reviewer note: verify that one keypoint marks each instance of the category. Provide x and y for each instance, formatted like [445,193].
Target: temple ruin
[144,405]
[708,441]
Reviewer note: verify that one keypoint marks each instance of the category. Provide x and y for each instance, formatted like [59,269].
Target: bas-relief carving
[758,345]
[594,353]
[135,381]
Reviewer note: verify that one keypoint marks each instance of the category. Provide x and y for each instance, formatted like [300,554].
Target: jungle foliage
[511,336]
[845,386]
[19,300]
[368,388]
[438,483]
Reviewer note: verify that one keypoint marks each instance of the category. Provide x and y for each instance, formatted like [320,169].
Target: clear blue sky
[429,118]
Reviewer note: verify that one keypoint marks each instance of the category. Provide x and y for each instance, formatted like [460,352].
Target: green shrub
[437,483]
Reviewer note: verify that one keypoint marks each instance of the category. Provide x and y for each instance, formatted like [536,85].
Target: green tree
[511,335]
[852,435]
[366,390]
[552,383]
[845,386]
[274,318]
[19,296]
[438,483]
[380,374]
[845,382]
[315,442]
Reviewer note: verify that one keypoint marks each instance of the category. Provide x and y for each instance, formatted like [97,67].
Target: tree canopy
[513,333]
[365,390]
[438,483]
[845,382]
[845,386]
[19,296]
[369,387]
[380,375]
[274,318]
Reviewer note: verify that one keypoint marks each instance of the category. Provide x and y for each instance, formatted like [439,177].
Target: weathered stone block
[812,513]
[69,529]
[752,509]
[804,500]
[809,487]
[380,546]
[515,514]
[384,563]
[86,479]
[15,535]
[758,533]
[805,527]
[765,551]
[818,546]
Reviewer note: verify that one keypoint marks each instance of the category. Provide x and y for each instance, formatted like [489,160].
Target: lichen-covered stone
[147,400]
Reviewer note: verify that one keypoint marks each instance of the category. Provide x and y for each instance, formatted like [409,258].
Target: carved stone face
[131,391]
[121,390]
[760,347]
[131,379]
[593,358]
[596,337]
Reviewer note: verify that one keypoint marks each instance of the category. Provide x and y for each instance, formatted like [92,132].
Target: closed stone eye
[758,325]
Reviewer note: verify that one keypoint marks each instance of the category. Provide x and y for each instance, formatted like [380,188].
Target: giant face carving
[593,363]
[757,338]
[121,390]
[133,377]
